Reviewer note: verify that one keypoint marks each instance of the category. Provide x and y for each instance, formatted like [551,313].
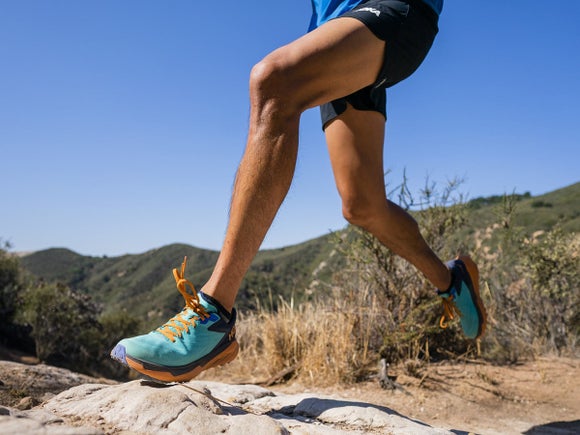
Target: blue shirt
[324,10]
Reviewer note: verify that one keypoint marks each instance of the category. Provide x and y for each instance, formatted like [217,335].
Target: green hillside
[143,284]
[532,213]
[544,211]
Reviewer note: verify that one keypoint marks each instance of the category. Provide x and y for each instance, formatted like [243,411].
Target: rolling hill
[143,284]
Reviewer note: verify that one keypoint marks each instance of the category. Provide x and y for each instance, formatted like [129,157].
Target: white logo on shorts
[371,10]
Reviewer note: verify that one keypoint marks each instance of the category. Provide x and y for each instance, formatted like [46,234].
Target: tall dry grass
[329,341]
[380,307]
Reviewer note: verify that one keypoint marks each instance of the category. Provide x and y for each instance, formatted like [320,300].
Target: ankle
[221,297]
[444,280]
[227,313]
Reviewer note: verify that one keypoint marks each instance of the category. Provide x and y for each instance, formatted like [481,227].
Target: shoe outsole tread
[473,272]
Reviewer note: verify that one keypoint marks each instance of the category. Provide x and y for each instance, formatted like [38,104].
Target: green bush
[551,268]
[9,287]
[68,331]
[12,334]
[539,204]
[64,325]
[59,325]
[532,288]
[530,284]
[114,327]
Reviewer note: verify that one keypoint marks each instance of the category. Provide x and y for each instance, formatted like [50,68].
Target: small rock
[25,403]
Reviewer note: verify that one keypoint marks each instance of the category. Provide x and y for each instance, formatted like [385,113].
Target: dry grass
[319,343]
[383,308]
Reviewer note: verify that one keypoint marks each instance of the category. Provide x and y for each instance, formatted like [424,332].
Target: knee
[358,211]
[269,89]
[265,78]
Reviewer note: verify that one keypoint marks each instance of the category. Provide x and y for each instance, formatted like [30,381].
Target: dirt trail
[535,397]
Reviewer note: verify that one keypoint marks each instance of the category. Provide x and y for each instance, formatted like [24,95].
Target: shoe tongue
[188,312]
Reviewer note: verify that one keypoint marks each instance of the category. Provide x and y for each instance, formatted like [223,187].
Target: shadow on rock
[315,408]
[556,428]
[351,415]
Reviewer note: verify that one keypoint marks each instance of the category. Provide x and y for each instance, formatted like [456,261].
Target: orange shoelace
[450,310]
[179,324]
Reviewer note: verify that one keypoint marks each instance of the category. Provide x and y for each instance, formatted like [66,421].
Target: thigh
[336,59]
[355,144]
[408,28]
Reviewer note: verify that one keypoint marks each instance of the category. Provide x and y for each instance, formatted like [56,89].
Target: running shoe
[201,336]
[462,299]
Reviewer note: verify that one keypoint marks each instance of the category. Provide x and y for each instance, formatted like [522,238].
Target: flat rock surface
[540,397]
[146,407]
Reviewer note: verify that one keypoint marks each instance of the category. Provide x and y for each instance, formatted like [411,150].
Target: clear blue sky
[122,121]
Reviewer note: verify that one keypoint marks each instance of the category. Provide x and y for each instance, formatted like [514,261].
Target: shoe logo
[212,318]
[371,10]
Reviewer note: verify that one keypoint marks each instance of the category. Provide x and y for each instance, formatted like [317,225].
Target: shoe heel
[227,355]
[472,270]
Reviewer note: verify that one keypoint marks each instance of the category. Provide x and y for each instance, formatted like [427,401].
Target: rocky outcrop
[145,407]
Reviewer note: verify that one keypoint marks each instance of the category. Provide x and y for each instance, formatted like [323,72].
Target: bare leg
[337,59]
[355,143]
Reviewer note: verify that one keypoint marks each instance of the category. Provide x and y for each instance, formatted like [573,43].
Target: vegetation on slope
[329,308]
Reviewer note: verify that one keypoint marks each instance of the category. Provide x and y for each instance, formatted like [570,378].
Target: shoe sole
[226,356]
[473,272]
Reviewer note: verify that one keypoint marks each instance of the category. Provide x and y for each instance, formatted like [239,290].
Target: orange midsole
[229,354]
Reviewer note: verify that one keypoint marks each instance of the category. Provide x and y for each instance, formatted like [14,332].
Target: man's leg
[335,60]
[355,144]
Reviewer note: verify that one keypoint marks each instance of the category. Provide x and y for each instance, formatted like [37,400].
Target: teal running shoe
[463,299]
[201,336]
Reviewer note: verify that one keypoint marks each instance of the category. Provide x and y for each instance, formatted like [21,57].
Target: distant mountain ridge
[143,283]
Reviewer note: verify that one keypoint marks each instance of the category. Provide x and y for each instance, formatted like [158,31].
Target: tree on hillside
[9,284]
[11,333]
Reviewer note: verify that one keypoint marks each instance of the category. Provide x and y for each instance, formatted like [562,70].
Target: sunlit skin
[340,57]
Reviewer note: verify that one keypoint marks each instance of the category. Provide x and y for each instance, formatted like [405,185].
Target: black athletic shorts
[408,28]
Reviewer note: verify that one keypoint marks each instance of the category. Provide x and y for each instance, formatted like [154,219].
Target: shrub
[410,324]
[9,287]
[61,326]
[12,334]
[379,307]
[114,327]
[68,332]
[532,284]
[539,204]
[64,325]
[550,267]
